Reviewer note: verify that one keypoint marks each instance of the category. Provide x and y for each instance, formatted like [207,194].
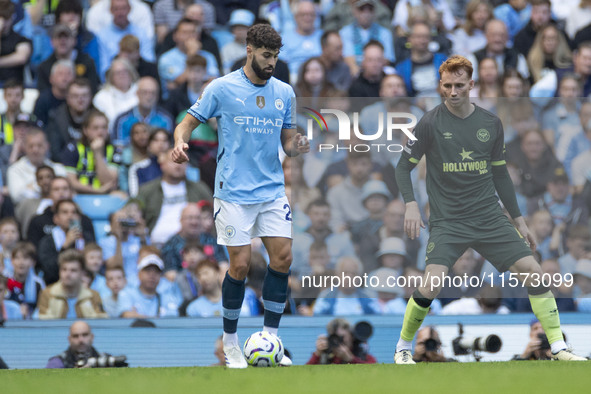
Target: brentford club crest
[260,101]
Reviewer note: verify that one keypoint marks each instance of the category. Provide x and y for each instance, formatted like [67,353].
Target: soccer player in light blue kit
[255,113]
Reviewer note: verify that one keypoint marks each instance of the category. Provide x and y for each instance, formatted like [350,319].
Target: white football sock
[230,339]
[403,345]
[272,330]
[558,346]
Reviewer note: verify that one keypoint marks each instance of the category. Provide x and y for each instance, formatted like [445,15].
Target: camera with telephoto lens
[432,345]
[544,344]
[104,362]
[463,346]
[361,332]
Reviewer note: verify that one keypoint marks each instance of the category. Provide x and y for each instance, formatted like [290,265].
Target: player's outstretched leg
[416,310]
[275,285]
[543,304]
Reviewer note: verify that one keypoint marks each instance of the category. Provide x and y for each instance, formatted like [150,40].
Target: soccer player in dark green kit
[464,148]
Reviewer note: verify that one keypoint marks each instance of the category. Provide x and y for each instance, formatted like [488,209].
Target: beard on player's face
[262,73]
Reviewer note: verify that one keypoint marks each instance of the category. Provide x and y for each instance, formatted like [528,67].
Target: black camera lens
[362,331]
[544,344]
[334,341]
[431,345]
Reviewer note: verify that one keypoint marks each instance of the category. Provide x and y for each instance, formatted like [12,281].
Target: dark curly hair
[263,35]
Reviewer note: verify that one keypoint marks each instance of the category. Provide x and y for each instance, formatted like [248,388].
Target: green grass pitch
[504,378]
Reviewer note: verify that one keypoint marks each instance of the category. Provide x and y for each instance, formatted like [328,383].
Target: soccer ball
[263,349]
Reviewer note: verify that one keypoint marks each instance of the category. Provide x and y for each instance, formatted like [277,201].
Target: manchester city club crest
[279,104]
[230,231]
[483,135]
[260,102]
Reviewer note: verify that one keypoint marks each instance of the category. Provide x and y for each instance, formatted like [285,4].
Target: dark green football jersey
[459,153]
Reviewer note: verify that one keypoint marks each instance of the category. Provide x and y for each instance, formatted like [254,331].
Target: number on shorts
[288,214]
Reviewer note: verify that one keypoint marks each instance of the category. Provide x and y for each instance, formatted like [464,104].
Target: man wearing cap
[145,300]
[63,42]
[390,297]
[393,226]
[304,40]
[364,29]
[22,183]
[582,276]
[240,21]
[392,255]
[375,197]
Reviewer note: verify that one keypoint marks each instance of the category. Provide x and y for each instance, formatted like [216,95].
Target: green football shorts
[495,239]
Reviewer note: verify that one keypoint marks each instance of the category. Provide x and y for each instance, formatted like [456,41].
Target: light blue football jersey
[250,119]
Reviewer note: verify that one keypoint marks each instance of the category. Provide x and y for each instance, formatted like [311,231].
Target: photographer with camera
[428,347]
[538,347]
[343,344]
[81,354]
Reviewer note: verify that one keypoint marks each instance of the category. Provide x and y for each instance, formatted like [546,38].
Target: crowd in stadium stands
[97,221]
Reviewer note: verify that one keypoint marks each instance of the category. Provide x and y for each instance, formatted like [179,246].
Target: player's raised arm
[294,143]
[182,134]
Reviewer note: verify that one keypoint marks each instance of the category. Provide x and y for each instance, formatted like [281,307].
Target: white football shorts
[237,224]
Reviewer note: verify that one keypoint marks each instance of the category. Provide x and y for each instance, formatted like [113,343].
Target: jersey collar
[249,81]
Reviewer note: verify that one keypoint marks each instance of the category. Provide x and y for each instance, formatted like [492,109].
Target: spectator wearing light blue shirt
[115,280]
[171,65]
[122,246]
[147,111]
[109,37]
[240,21]
[347,299]
[145,300]
[304,39]
[515,14]
[363,30]
[209,303]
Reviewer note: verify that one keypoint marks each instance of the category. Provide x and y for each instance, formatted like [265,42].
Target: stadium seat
[99,207]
